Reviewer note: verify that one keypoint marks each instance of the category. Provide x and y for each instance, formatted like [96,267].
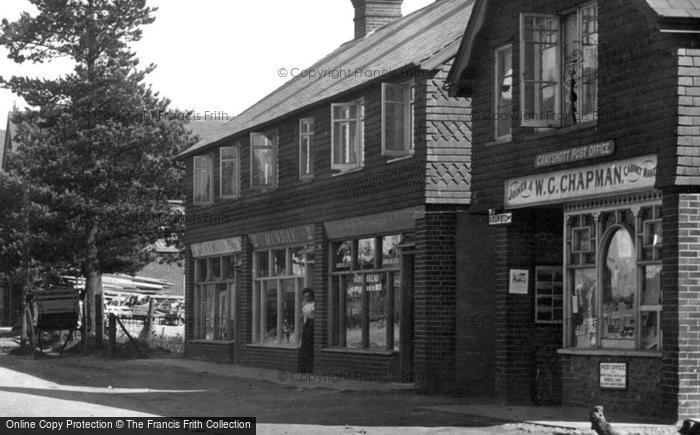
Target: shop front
[283,263]
[603,301]
[217,270]
[369,297]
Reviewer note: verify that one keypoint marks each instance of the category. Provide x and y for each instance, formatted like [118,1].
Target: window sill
[557,131]
[215,342]
[394,159]
[272,346]
[359,351]
[501,141]
[611,352]
[339,172]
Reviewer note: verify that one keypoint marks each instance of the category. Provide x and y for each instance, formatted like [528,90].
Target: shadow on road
[120,386]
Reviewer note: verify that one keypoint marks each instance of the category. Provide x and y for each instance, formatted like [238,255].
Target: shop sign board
[629,175]
[216,247]
[298,236]
[500,219]
[586,152]
[613,376]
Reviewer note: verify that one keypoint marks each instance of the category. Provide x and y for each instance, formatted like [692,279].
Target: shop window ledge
[212,342]
[360,351]
[611,352]
[271,346]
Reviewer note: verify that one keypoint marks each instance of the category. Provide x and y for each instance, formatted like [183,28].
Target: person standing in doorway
[307,332]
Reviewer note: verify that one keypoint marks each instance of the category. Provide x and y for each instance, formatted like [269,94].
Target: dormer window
[559,68]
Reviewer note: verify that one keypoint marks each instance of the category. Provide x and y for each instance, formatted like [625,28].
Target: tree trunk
[93,289]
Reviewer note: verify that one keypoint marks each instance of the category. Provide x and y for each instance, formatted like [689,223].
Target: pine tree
[96,146]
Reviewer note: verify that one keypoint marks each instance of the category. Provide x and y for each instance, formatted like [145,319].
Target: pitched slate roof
[425,39]
[676,8]
[205,128]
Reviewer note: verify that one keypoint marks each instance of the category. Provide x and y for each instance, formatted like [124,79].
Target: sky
[218,57]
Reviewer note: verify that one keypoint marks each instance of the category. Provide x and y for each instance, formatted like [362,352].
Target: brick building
[586,160]
[347,180]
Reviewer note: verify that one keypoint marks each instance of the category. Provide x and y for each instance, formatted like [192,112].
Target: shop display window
[215,298]
[280,275]
[613,291]
[365,293]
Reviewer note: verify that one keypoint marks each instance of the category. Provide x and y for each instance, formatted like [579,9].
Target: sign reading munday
[633,174]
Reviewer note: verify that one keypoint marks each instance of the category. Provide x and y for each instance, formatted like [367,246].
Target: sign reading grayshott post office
[629,175]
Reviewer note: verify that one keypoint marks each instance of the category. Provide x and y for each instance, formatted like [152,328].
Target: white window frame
[237,166]
[197,179]
[497,95]
[258,295]
[200,288]
[408,89]
[273,137]
[359,136]
[306,169]
[528,120]
[561,112]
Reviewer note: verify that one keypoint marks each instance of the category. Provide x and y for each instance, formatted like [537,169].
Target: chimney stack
[373,14]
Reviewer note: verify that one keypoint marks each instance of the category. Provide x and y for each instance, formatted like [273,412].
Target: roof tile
[415,39]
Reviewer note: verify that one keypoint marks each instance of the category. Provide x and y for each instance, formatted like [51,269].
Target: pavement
[569,419]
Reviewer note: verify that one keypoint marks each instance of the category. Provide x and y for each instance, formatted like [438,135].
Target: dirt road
[94,386]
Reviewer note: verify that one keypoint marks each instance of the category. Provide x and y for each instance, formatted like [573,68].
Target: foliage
[96,145]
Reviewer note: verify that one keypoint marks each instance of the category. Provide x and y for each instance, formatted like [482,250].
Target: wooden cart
[52,309]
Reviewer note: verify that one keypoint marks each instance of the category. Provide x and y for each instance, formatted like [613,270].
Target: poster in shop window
[519,279]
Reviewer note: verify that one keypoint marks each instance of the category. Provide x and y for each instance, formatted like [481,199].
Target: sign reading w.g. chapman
[633,174]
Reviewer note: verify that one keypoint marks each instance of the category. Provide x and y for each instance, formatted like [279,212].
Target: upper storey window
[263,159]
[559,68]
[202,180]
[348,122]
[503,92]
[398,102]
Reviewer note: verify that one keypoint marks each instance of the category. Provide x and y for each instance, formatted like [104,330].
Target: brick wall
[524,348]
[681,302]
[435,298]
[476,307]
[581,386]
